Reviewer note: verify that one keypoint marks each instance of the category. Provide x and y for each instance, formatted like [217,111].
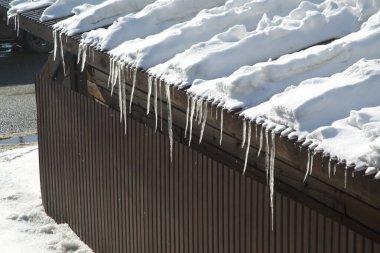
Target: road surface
[18,113]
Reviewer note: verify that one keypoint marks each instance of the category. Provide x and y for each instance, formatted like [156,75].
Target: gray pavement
[18,113]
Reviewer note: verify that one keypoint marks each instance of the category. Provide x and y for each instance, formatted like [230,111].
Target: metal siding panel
[121,193]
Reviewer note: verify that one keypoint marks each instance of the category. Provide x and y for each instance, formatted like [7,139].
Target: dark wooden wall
[120,192]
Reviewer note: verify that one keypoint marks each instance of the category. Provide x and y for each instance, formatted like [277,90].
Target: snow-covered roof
[306,68]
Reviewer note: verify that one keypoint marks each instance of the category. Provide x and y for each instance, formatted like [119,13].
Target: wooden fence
[120,192]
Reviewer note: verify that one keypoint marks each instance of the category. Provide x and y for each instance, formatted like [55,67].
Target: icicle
[221,127]
[273,151]
[216,113]
[62,54]
[335,168]
[345,178]
[256,131]
[261,141]
[84,57]
[55,43]
[169,105]
[244,133]
[160,86]
[187,114]
[204,120]
[115,73]
[308,165]
[193,101]
[200,116]
[123,81]
[312,162]
[197,108]
[110,75]
[155,103]
[329,167]
[133,90]
[248,146]
[267,154]
[80,48]
[271,176]
[353,174]
[150,80]
[121,93]
[17,20]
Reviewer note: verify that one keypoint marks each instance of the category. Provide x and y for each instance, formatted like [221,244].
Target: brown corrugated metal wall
[120,192]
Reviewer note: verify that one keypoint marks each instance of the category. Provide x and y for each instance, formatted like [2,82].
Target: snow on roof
[259,55]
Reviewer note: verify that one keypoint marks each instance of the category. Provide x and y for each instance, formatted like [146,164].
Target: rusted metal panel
[119,191]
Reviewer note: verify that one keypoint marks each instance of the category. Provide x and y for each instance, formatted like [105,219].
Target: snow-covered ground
[24,225]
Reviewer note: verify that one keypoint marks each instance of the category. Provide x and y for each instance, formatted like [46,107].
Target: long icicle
[110,75]
[311,162]
[150,80]
[193,101]
[55,44]
[244,133]
[271,176]
[187,114]
[248,146]
[204,120]
[80,48]
[133,89]
[84,57]
[18,24]
[115,74]
[261,141]
[307,166]
[221,126]
[155,103]
[267,154]
[62,54]
[197,110]
[160,87]
[345,178]
[123,82]
[200,116]
[121,96]
[329,168]
[169,105]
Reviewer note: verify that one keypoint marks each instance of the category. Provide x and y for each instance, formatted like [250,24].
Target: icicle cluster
[196,110]
[58,45]
[269,155]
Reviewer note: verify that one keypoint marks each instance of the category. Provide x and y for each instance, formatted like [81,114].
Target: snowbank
[87,16]
[153,19]
[20,6]
[360,132]
[24,225]
[251,85]
[319,102]
[161,47]
[63,8]
[305,26]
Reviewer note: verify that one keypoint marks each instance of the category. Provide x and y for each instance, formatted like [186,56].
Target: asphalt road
[18,113]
